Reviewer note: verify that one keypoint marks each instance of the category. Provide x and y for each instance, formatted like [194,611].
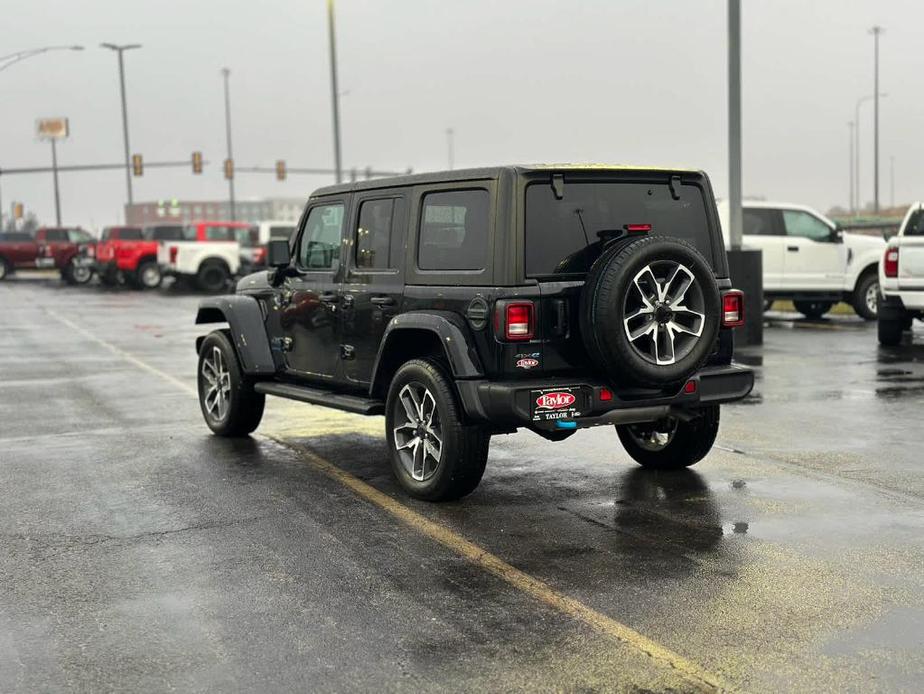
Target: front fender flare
[248,332]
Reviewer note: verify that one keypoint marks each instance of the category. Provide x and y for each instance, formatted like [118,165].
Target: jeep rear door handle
[382,301]
[792,249]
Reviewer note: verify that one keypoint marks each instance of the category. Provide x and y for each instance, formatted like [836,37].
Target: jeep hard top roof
[488,172]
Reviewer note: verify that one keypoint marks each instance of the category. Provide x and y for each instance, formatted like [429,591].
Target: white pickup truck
[809,260]
[210,264]
[901,276]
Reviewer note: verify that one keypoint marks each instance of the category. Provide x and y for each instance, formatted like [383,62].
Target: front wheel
[671,443]
[434,455]
[813,309]
[227,398]
[866,297]
[77,273]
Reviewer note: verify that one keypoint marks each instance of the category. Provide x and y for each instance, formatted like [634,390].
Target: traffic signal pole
[230,176]
[54,170]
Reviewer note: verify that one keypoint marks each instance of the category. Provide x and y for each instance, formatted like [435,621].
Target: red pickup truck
[17,251]
[130,253]
[67,249]
[70,250]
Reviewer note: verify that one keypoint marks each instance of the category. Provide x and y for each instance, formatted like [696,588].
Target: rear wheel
[866,296]
[671,442]
[212,277]
[148,275]
[813,309]
[226,396]
[5,269]
[890,330]
[434,454]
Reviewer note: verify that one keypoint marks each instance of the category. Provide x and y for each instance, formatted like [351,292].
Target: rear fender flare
[453,334]
[248,332]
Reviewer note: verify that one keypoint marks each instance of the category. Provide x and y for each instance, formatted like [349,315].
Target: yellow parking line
[479,556]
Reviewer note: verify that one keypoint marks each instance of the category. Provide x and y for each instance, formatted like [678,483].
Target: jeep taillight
[890,262]
[732,308]
[173,251]
[515,320]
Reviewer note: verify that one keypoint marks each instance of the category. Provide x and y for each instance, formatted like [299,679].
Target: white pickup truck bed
[901,278]
[211,264]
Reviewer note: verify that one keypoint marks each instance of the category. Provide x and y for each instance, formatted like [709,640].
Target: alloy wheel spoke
[407,402]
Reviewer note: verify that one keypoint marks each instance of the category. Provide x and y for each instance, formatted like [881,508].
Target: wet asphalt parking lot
[140,553]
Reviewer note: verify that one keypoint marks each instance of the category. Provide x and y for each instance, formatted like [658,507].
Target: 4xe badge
[527,361]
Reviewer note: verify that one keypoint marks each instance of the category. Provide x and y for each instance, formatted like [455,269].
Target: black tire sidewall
[6,269]
[859,296]
[212,270]
[243,398]
[692,441]
[451,467]
[603,304]
[139,275]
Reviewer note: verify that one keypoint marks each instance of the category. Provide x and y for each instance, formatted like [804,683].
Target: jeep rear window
[915,226]
[566,236]
[453,230]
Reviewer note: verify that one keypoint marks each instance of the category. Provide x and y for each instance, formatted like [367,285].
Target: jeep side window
[453,230]
[373,234]
[760,222]
[320,241]
[799,223]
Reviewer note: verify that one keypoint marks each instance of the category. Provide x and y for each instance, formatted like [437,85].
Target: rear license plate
[550,404]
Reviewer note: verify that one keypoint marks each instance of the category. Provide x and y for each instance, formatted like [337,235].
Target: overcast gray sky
[628,81]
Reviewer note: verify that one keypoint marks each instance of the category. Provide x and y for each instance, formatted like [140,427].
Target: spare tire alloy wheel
[650,312]
[664,312]
[417,432]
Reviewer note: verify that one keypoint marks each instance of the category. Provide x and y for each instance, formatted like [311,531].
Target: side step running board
[316,396]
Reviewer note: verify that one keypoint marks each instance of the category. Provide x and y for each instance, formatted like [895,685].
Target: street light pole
[226,73]
[876,31]
[120,50]
[850,126]
[54,172]
[862,100]
[7,60]
[734,124]
[334,91]
[892,181]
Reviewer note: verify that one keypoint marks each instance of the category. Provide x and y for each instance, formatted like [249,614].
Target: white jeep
[901,276]
[809,260]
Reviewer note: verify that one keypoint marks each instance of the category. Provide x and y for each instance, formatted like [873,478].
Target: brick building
[180,211]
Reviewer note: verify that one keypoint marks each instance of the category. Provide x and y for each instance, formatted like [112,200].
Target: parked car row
[207,253]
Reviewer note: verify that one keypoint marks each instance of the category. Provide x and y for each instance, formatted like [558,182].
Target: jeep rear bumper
[513,404]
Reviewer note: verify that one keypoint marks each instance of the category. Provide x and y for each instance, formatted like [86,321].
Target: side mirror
[837,235]
[277,253]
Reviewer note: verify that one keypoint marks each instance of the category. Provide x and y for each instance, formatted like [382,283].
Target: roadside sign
[52,128]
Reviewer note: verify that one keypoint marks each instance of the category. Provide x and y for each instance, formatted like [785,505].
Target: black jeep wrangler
[464,304]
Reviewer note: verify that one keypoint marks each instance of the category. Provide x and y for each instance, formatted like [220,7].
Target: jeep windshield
[565,235]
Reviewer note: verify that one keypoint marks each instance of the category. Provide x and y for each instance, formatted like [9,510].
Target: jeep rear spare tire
[650,311]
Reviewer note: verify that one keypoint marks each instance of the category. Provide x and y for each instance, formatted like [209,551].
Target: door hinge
[347,352]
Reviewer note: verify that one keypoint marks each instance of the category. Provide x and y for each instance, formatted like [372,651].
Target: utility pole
[334,91]
[850,126]
[54,172]
[120,50]
[226,73]
[856,148]
[734,124]
[876,31]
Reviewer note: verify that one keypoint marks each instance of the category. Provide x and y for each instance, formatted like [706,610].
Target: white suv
[809,260]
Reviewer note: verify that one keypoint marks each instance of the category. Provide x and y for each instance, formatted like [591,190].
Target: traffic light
[17,210]
[197,162]
[229,169]
[280,169]
[137,165]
